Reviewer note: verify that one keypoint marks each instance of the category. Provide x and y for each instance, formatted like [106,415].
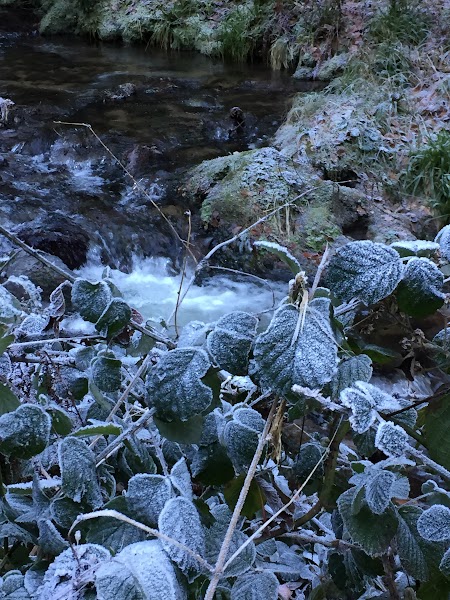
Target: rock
[123,91]
[43,277]
[6,108]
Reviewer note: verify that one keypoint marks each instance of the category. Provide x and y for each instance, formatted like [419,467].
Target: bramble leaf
[420,292]
[434,523]
[356,368]
[230,342]
[25,432]
[255,586]
[78,472]
[90,299]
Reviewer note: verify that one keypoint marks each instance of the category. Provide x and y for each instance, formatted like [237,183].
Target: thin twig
[114,514]
[310,538]
[18,345]
[183,273]
[320,269]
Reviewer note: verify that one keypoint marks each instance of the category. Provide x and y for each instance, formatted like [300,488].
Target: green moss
[319,227]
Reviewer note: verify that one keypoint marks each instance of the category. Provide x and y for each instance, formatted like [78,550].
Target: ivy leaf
[356,368]
[365,270]
[25,432]
[147,495]
[78,472]
[372,532]
[282,361]
[434,523]
[282,253]
[114,318]
[420,293]
[106,372]
[179,519]
[379,491]
[411,546]
[8,400]
[230,342]
[174,385]
[255,586]
[90,299]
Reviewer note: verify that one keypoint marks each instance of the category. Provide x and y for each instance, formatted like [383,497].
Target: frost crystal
[434,523]
[391,439]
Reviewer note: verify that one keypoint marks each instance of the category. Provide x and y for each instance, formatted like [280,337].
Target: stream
[159,113]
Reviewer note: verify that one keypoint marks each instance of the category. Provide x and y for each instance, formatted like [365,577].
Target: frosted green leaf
[114,318]
[444,565]
[147,495]
[379,491]
[255,586]
[420,293]
[25,432]
[231,340]
[180,520]
[443,239]
[391,439]
[90,299]
[50,540]
[241,437]
[281,361]
[106,372]
[13,587]
[10,310]
[78,472]
[282,253]
[174,385]
[415,247]
[98,428]
[180,478]
[411,547]
[309,456]
[8,400]
[434,523]
[372,532]
[365,270]
[138,572]
[356,368]
[74,567]
[362,406]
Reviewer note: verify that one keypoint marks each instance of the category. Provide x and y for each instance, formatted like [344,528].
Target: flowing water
[59,178]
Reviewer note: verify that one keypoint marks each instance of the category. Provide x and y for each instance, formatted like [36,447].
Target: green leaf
[211,465]
[174,385]
[444,565]
[255,498]
[90,299]
[241,437]
[230,342]
[437,429]
[8,400]
[98,428]
[310,360]
[415,248]
[147,495]
[25,432]
[61,421]
[379,491]
[420,293]
[256,586]
[365,270]
[106,372]
[282,253]
[78,472]
[5,341]
[307,458]
[356,368]
[372,532]
[434,523]
[381,355]
[183,432]
[114,318]
[411,546]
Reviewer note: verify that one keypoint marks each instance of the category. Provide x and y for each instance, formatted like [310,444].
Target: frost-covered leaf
[73,568]
[90,299]
[443,239]
[64,511]
[98,428]
[391,439]
[174,385]
[57,306]
[282,253]
[180,521]
[106,372]
[309,456]
[231,340]
[147,495]
[411,547]
[365,270]
[255,586]
[8,400]
[183,432]
[437,428]
[12,587]
[214,537]
[281,361]
[114,318]
[434,523]
[139,571]
[444,565]
[241,437]
[180,478]
[25,432]
[356,368]
[10,310]
[420,292]
[379,491]
[78,472]
[415,247]
[365,400]
[50,540]
[372,532]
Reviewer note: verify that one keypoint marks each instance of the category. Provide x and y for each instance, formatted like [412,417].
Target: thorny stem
[219,568]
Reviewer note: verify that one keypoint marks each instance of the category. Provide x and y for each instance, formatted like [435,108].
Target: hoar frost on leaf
[174,385]
[391,439]
[282,253]
[180,478]
[231,340]
[356,368]
[443,239]
[310,360]
[147,495]
[241,437]
[106,372]
[415,247]
[180,521]
[25,432]
[78,472]
[365,270]
[420,293]
[434,523]
[365,401]
[255,586]
[379,491]
[90,299]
